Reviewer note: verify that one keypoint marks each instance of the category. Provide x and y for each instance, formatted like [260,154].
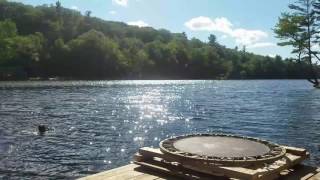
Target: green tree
[299,30]
[212,40]
[88,13]
[92,55]
[50,40]
[58,7]
[8,31]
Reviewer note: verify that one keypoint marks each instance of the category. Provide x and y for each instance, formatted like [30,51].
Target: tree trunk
[312,70]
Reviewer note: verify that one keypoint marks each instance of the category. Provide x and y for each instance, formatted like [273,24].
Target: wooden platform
[151,163]
[136,172]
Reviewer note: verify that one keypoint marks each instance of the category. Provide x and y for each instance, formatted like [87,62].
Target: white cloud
[224,36]
[121,2]
[315,47]
[200,24]
[112,12]
[138,23]
[261,45]
[206,24]
[272,55]
[74,8]
[223,25]
[248,37]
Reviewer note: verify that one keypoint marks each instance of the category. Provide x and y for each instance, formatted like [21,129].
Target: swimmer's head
[42,129]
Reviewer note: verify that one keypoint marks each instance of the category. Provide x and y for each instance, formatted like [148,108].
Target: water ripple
[99,125]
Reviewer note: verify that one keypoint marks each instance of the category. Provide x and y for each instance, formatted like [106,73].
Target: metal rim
[276,152]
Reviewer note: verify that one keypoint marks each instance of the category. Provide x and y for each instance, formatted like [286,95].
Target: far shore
[137,79]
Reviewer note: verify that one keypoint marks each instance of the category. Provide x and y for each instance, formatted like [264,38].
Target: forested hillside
[52,41]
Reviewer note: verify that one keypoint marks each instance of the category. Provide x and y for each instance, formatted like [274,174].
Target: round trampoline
[220,149]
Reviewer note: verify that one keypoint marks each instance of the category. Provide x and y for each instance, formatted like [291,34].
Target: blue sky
[234,22]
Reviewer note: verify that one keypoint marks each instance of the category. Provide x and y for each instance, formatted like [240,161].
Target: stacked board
[149,166]
[155,160]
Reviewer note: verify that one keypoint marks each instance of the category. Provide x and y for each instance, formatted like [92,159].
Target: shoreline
[155,79]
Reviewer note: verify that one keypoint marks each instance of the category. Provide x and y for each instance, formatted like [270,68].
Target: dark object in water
[42,129]
[222,149]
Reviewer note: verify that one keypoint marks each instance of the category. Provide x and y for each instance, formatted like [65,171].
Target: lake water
[99,125]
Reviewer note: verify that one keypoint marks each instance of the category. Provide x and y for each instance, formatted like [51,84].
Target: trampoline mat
[221,146]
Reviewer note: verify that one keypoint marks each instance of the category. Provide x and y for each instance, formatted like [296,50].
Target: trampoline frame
[276,152]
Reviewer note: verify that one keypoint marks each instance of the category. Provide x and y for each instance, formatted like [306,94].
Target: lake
[99,125]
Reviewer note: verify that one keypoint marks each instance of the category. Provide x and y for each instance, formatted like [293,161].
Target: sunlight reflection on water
[99,125]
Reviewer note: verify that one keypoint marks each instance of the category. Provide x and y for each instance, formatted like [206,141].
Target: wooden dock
[137,172]
[152,164]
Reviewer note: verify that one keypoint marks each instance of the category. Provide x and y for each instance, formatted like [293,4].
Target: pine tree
[299,30]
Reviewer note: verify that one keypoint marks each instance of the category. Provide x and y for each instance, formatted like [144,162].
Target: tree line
[53,41]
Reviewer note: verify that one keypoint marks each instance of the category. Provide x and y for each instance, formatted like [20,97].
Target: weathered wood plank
[124,175]
[147,177]
[316,176]
[239,172]
[175,173]
[278,166]
[131,172]
[295,150]
[111,173]
[298,172]
[269,172]
[153,165]
[156,172]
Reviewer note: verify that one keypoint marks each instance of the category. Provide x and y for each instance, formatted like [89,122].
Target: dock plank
[316,176]
[152,164]
[136,172]
[128,169]
[300,172]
